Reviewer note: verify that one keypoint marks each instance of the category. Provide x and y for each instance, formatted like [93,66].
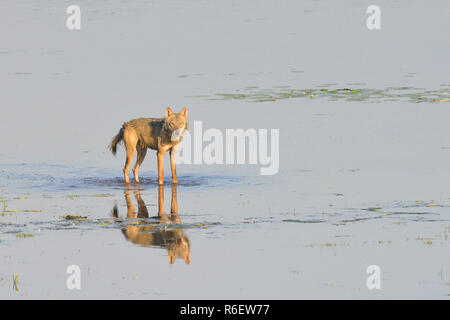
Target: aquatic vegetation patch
[304,221]
[21,211]
[24,235]
[15,282]
[5,209]
[70,217]
[408,94]
[73,196]
[328,245]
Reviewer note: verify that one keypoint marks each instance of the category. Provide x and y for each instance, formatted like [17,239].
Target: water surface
[364,150]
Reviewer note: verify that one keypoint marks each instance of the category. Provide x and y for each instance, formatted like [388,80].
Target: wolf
[160,134]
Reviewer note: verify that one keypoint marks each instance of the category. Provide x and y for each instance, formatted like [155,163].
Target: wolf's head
[180,248]
[175,123]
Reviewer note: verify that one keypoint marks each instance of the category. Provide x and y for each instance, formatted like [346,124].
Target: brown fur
[152,235]
[154,133]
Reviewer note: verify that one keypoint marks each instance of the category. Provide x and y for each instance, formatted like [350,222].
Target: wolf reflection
[154,234]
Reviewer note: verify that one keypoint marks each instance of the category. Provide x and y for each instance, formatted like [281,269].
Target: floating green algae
[408,94]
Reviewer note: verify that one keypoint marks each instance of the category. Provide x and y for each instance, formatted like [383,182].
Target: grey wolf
[159,134]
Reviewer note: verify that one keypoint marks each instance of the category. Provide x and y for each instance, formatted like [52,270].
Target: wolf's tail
[118,138]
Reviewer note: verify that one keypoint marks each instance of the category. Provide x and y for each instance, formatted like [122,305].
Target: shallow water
[364,150]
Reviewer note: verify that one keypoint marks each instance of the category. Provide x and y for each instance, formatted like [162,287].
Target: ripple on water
[60,178]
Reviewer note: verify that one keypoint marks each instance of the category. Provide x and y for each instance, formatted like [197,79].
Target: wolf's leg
[160,156]
[173,163]
[161,212]
[130,155]
[130,139]
[131,211]
[174,203]
[142,208]
[141,152]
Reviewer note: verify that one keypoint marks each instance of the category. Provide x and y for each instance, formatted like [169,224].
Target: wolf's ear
[169,112]
[184,112]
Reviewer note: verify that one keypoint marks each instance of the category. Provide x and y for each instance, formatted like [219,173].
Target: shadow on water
[160,232]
